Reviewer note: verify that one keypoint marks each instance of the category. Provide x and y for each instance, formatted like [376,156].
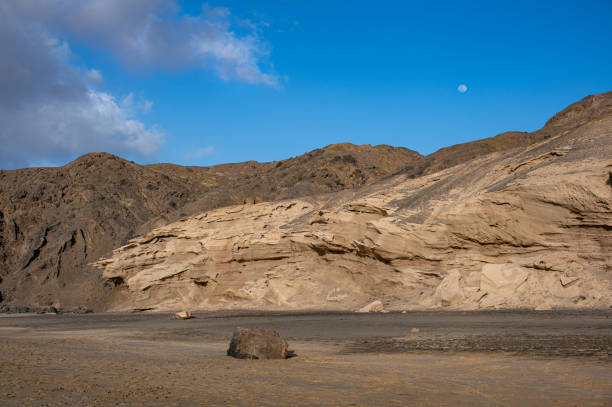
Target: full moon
[462,88]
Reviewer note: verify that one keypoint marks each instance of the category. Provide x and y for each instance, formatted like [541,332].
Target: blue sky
[305,74]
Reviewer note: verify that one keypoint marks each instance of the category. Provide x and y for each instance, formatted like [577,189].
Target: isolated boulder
[375,306]
[258,343]
[183,315]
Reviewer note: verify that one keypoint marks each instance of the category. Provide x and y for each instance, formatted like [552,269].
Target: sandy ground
[456,359]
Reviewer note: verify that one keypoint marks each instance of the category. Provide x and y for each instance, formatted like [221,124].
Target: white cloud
[133,104]
[50,130]
[51,109]
[49,112]
[128,101]
[95,77]
[147,105]
[156,33]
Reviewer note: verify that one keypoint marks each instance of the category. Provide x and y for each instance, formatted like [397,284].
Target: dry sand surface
[455,359]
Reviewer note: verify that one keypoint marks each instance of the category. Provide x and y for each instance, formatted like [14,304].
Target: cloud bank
[52,109]
[156,33]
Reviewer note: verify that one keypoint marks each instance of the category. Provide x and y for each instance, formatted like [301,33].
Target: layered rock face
[525,228]
[55,221]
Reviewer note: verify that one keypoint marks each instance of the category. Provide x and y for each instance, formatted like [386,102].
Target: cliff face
[528,227]
[55,221]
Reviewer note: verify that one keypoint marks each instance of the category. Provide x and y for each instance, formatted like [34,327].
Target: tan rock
[183,315]
[502,279]
[567,281]
[450,291]
[375,306]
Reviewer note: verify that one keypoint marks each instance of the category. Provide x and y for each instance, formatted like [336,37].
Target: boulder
[258,343]
[375,306]
[502,279]
[450,291]
[183,315]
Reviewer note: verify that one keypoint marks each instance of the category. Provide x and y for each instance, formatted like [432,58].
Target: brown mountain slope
[329,169]
[54,221]
[522,228]
[589,108]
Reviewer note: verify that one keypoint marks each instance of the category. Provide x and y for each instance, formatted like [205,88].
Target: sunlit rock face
[55,221]
[525,228]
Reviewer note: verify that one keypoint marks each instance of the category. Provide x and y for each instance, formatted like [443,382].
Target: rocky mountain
[588,109]
[524,222]
[55,222]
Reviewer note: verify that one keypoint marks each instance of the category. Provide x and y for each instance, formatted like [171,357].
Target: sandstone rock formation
[523,228]
[55,221]
[258,343]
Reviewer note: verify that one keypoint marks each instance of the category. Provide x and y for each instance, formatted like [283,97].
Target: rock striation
[55,221]
[528,227]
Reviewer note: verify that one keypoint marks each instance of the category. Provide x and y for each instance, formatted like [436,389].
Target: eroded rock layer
[525,228]
[55,221]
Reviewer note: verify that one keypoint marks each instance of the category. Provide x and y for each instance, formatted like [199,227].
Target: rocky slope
[588,109]
[526,227]
[55,221]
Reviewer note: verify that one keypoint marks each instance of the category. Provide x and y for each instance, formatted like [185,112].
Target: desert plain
[426,358]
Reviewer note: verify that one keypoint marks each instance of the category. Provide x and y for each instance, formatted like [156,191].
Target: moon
[462,88]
